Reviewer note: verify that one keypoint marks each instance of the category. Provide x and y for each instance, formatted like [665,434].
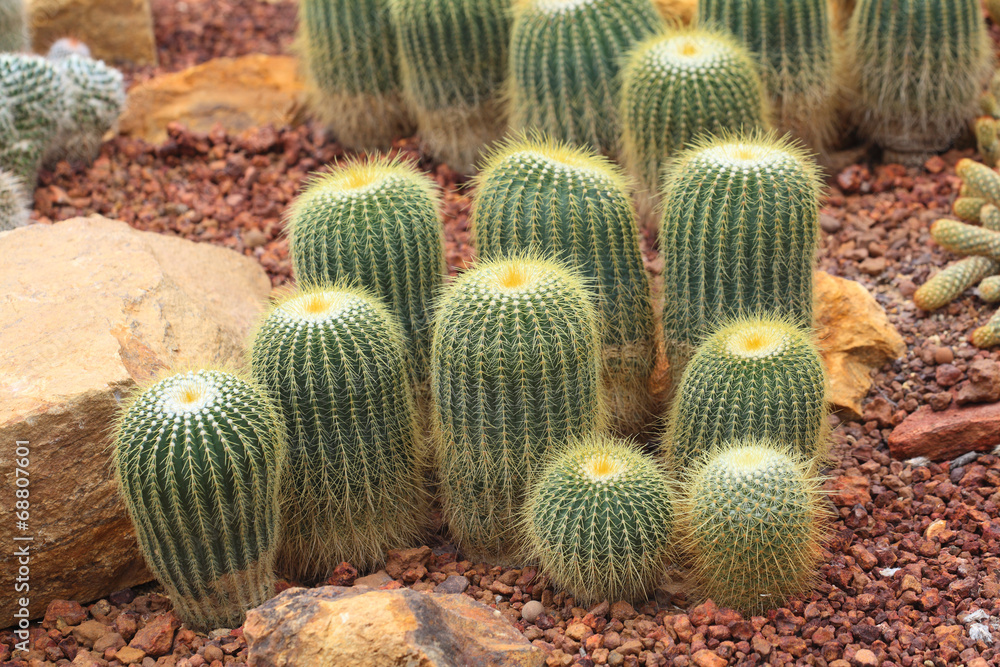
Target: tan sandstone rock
[685,10]
[855,337]
[350,626]
[115,30]
[238,93]
[89,307]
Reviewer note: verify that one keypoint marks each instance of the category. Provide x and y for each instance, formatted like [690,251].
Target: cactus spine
[374,223]
[760,377]
[919,67]
[95,96]
[678,85]
[13,26]
[793,41]
[566,201]
[14,204]
[197,457]
[453,55]
[752,520]
[334,360]
[739,237]
[31,104]
[564,66]
[599,520]
[349,51]
[515,373]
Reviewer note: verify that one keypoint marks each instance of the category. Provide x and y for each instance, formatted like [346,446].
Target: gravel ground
[912,573]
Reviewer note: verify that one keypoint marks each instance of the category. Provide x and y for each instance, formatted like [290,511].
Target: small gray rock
[455,583]
[531,611]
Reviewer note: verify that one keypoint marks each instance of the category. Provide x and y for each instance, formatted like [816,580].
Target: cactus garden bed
[911,574]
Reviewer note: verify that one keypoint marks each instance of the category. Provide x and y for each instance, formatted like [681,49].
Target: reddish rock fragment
[944,435]
[158,636]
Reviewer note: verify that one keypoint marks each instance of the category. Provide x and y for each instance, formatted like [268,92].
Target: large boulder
[118,31]
[88,308]
[237,93]
[359,626]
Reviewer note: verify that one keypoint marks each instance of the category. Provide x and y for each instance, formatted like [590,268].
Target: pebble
[943,355]
[531,611]
[456,583]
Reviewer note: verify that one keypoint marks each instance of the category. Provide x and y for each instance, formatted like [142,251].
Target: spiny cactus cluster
[917,69]
[335,361]
[565,57]
[13,26]
[677,86]
[95,96]
[14,203]
[197,458]
[535,194]
[515,373]
[349,52]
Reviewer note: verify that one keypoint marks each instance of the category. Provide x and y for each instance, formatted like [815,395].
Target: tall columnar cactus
[452,58]
[32,101]
[14,204]
[739,237]
[349,51]
[374,223]
[564,66]
[334,360]
[760,377]
[95,96]
[13,26]
[515,373]
[599,520]
[558,199]
[753,521]
[678,85]
[198,457]
[794,44]
[918,67]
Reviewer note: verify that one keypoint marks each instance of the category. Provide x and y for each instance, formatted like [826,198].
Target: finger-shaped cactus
[739,237]
[95,96]
[13,26]
[349,51]
[564,66]
[453,58]
[32,100]
[678,85]
[987,335]
[565,201]
[515,372]
[917,69]
[599,520]
[987,142]
[963,239]
[967,208]
[989,288]
[979,180]
[753,520]
[793,42]
[948,284]
[197,459]
[14,204]
[760,377]
[374,223]
[334,360]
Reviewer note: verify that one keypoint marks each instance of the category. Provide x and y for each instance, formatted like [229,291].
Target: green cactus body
[564,66]
[753,523]
[793,43]
[919,67]
[987,335]
[948,284]
[14,204]
[677,86]
[967,208]
[95,97]
[979,180]
[963,239]
[13,26]
[453,56]
[599,520]
[335,362]
[376,224]
[760,377]
[349,51]
[197,459]
[33,100]
[989,288]
[569,202]
[987,142]
[515,373]
[739,237]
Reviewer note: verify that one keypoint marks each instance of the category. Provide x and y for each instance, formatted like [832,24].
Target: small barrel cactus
[739,237]
[794,45]
[599,520]
[760,377]
[95,96]
[349,51]
[537,194]
[198,457]
[374,223]
[64,47]
[32,101]
[334,360]
[948,284]
[14,204]
[515,372]
[753,521]
[565,57]
[13,26]
[453,57]
[917,69]
[677,86]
